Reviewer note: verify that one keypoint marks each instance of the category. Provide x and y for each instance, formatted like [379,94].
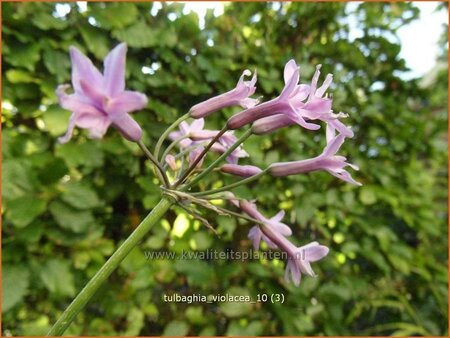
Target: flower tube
[237,96]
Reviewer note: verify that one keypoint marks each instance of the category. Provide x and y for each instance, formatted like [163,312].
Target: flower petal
[115,70]
[83,68]
[289,70]
[69,132]
[128,127]
[315,252]
[333,146]
[326,83]
[126,102]
[345,176]
[255,236]
[291,85]
[76,103]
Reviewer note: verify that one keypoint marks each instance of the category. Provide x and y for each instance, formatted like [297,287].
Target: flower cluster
[297,104]
[100,100]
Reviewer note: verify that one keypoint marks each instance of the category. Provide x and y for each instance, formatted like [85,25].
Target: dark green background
[67,207]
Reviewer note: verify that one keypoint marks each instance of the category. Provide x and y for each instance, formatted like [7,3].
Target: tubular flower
[326,161]
[237,96]
[318,107]
[100,100]
[186,130]
[194,134]
[296,104]
[274,233]
[285,104]
[255,234]
[240,170]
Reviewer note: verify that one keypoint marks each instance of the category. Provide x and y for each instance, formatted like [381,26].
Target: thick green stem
[166,133]
[105,271]
[231,186]
[245,136]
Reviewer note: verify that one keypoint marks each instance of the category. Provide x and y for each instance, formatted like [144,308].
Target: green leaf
[86,154]
[138,35]
[69,218]
[56,120]
[80,196]
[367,195]
[117,15]
[25,56]
[236,309]
[24,210]
[57,63]
[135,321]
[254,328]
[17,76]
[180,226]
[57,277]
[46,21]
[15,281]
[176,328]
[96,41]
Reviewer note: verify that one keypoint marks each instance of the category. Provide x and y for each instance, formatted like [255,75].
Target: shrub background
[66,208]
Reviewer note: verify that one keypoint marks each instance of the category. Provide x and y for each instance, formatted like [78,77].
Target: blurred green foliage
[67,207]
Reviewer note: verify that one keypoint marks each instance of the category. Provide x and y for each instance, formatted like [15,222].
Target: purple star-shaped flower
[100,100]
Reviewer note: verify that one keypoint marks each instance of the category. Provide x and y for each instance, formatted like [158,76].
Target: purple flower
[285,104]
[195,134]
[237,96]
[100,100]
[300,259]
[271,123]
[186,130]
[172,162]
[274,233]
[255,234]
[317,107]
[296,104]
[240,170]
[326,161]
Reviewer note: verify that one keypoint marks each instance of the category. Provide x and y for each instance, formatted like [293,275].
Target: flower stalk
[111,264]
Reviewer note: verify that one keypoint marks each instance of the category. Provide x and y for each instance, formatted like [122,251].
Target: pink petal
[315,252]
[290,85]
[322,89]
[128,127]
[333,146]
[70,128]
[115,70]
[240,170]
[314,81]
[83,68]
[289,70]
[93,93]
[255,236]
[76,103]
[126,102]
[197,125]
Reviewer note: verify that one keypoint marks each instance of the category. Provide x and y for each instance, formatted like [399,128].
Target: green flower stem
[245,136]
[105,271]
[166,133]
[159,169]
[171,146]
[199,158]
[231,186]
